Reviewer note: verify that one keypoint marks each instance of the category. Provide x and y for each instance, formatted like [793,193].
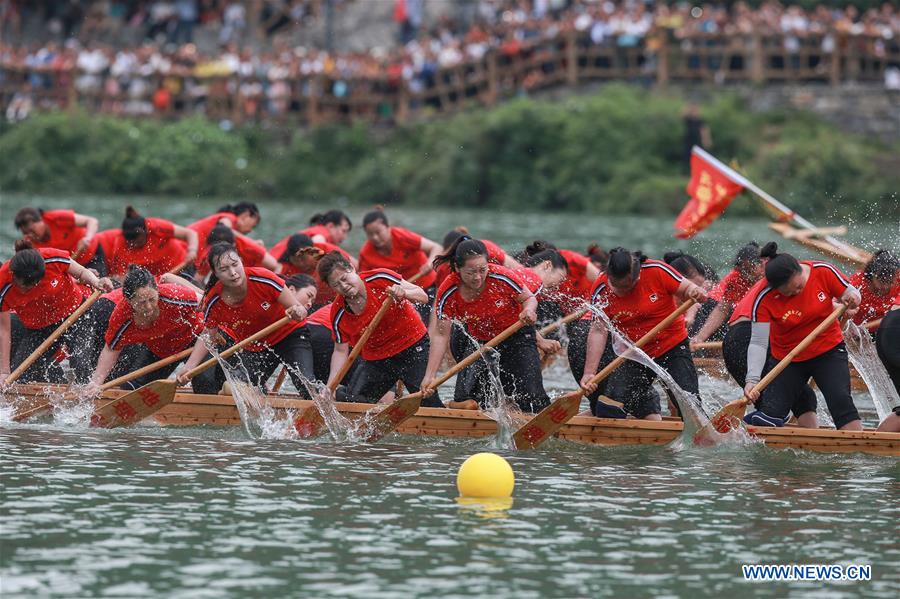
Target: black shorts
[734,351]
[374,378]
[887,342]
[830,370]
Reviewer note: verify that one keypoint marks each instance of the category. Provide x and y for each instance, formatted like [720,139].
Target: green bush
[619,150]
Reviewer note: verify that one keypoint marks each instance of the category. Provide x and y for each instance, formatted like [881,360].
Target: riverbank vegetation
[618,150]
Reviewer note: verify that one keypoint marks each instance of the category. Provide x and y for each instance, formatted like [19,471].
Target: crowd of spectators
[145,78]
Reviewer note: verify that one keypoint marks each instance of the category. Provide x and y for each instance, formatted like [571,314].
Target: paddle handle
[146,369]
[265,332]
[562,321]
[280,380]
[26,364]
[708,345]
[772,374]
[647,338]
[354,353]
[474,356]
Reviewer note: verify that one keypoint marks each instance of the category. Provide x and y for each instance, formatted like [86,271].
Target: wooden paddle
[562,321]
[147,400]
[553,417]
[280,380]
[110,384]
[731,416]
[402,408]
[309,422]
[37,353]
[707,345]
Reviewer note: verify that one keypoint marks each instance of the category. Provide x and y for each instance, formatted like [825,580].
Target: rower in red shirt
[496,255]
[488,298]
[398,347]
[153,243]
[156,320]
[42,287]
[239,302]
[332,228]
[242,217]
[878,283]
[301,255]
[636,294]
[887,342]
[252,254]
[319,327]
[747,271]
[63,230]
[574,292]
[797,298]
[400,250]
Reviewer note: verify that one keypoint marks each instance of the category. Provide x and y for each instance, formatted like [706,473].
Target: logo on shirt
[265,305]
[54,283]
[822,297]
[653,297]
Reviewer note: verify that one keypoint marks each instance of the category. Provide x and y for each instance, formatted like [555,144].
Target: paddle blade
[135,406]
[31,413]
[548,422]
[393,416]
[309,422]
[725,420]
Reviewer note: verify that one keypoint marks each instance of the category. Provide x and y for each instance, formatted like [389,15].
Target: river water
[206,512]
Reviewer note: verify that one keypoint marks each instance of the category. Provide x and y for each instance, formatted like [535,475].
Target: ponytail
[461,250]
[780,267]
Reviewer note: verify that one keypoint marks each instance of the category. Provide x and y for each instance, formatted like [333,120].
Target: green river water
[204,512]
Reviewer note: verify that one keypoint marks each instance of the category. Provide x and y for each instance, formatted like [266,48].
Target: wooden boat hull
[219,410]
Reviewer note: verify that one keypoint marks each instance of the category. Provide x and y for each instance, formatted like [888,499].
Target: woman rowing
[636,294]
[63,230]
[797,298]
[398,348]
[252,254]
[747,271]
[328,229]
[239,302]
[152,320]
[887,342]
[400,250]
[487,298]
[699,274]
[575,290]
[878,283]
[301,255]
[496,255]
[44,287]
[154,243]
[241,218]
[319,327]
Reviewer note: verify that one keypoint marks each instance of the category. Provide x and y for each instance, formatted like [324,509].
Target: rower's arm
[592,272]
[90,225]
[173,279]
[105,364]
[193,241]
[528,315]
[197,355]
[338,359]
[596,343]
[757,351]
[318,238]
[719,315]
[687,290]
[439,337]
[851,297]
[292,307]
[5,343]
[87,276]
[433,250]
[511,263]
[271,263]
[411,291]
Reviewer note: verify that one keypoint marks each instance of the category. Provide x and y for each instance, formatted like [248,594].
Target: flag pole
[787,212]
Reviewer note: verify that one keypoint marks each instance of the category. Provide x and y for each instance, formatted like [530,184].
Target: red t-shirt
[792,318]
[645,306]
[107,240]
[321,317]
[406,257]
[872,307]
[576,287]
[324,293]
[400,328]
[65,234]
[493,310]
[731,289]
[744,306]
[174,329]
[251,253]
[205,225]
[496,255]
[162,252]
[257,310]
[49,302]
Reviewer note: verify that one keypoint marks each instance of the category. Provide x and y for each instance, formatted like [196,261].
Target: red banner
[711,192]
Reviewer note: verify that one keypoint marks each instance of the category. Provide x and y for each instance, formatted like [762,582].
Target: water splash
[864,357]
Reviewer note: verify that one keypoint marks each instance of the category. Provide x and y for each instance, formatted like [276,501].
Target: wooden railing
[566,60]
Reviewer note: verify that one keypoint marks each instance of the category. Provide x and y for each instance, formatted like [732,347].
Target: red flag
[711,192]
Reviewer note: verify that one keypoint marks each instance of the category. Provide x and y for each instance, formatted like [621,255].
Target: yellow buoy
[485,475]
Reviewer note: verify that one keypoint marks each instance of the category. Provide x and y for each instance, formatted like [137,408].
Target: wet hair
[27,265]
[298,242]
[299,281]
[220,234]
[375,215]
[136,278]
[624,263]
[685,264]
[555,259]
[329,262]
[28,215]
[133,225]
[332,217]
[780,267]
[598,256]
[748,254]
[883,266]
[461,250]
[213,255]
[453,235]
[240,208]
[535,247]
